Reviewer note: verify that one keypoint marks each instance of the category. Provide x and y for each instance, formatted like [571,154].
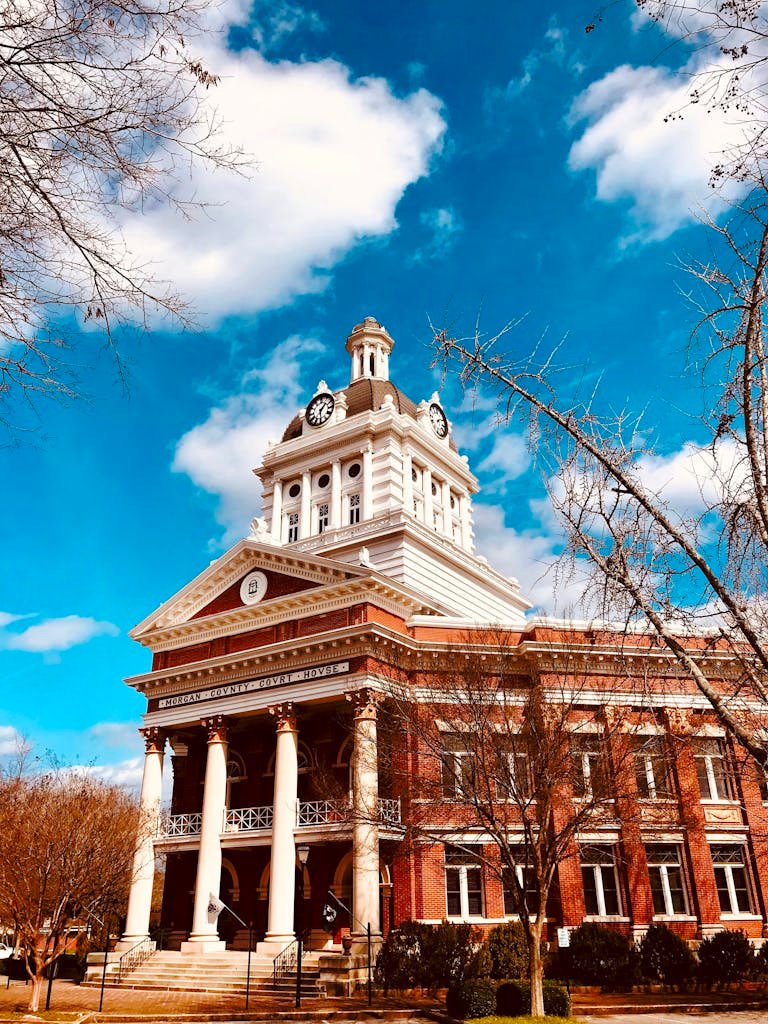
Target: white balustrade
[248,819]
[177,826]
[321,812]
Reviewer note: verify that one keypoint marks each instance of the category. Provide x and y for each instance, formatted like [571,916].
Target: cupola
[369,346]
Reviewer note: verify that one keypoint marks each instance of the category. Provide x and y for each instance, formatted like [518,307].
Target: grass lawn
[524,1020]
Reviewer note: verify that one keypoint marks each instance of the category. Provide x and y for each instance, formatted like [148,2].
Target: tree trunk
[537,971]
[37,989]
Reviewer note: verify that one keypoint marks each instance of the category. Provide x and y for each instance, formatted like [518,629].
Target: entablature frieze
[301,605]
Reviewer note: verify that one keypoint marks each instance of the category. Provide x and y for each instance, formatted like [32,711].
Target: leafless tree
[101,109]
[66,858]
[487,743]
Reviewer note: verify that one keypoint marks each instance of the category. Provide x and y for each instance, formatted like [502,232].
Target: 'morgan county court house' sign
[303,675]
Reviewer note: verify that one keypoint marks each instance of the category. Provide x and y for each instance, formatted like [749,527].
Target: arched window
[372,364]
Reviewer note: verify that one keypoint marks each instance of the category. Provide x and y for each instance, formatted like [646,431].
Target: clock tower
[369,476]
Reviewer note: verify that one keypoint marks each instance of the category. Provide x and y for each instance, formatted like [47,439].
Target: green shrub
[474,998]
[508,950]
[664,956]
[725,957]
[429,956]
[601,956]
[760,965]
[513,999]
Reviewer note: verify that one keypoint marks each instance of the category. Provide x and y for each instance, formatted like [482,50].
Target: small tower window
[323,481]
[293,527]
[323,517]
[294,490]
[372,364]
[354,509]
[354,470]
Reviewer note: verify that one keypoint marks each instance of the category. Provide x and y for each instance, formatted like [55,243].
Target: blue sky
[413,161]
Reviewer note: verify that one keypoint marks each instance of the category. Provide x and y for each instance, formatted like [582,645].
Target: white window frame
[461,870]
[666,888]
[708,758]
[735,911]
[597,870]
[354,504]
[649,756]
[323,516]
[587,757]
[292,520]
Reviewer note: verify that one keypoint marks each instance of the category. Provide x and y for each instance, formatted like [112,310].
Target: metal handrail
[135,956]
[285,961]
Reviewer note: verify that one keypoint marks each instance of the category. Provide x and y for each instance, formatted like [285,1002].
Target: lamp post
[302,852]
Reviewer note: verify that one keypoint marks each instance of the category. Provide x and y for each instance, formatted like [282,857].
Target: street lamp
[302,852]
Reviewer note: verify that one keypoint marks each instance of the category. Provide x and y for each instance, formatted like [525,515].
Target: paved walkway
[66,996]
[735,1017]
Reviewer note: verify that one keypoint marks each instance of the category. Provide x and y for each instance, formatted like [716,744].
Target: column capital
[366,701]
[216,727]
[285,717]
[154,739]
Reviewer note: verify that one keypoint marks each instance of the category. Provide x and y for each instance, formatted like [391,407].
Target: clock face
[438,420]
[319,409]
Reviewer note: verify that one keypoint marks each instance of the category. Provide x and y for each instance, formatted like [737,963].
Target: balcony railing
[256,819]
[248,819]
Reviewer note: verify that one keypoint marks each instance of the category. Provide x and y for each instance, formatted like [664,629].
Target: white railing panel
[177,826]
[248,819]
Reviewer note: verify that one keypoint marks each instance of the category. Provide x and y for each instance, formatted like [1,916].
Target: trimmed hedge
[472,999]
[430,956]
[664,956]
[601,956]
[508,949]
[725,957]
[513,999]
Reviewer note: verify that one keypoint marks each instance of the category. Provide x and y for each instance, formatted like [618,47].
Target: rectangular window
[731,878]
[590,775]
[323,517]
[354,509]
[653,769]
[293,527]
[514,778]
[525,879]
[665,870]
[713,769]
[457,766]
[600,880]
[463,883]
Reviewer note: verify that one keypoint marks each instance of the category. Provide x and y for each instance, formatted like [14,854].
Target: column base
[203,944]
[129,941]
[272,945]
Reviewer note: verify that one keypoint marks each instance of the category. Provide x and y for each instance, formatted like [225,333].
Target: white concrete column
[140,895]
[408,483]
[204,937]
[305,519]
[466,525]
[365,814]
[282,863]
[277,510]
[447,518]
[367,483]
[429,518]
[335,494]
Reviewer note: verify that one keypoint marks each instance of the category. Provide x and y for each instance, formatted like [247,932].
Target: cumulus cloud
[219,454]
[8,618]
[507,459]
[115,734]
[11,740]
[334,156]
[54,635]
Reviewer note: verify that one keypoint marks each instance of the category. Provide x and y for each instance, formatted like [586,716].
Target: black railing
[135,956]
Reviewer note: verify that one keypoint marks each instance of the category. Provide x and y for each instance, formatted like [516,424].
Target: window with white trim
[514,776]
[653,769]
[353,508]
[590,777]
[731,877]
[600,878]
[665,870]
[323,517]
[713,769]
[458,765]
[526,881]
[293,527]
[463,883]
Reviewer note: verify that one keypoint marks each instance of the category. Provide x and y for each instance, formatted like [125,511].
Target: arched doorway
[261,920]
[229,893]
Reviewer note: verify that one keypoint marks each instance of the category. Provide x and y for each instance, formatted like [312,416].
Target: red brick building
[270,667]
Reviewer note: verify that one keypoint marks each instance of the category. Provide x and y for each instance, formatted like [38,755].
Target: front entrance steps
[218,973]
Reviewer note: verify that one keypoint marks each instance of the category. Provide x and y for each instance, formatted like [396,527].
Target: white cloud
[508,458]
[334,156]
[530,556]
[7,618]
[219,454]
[123,773]
[115,734]
[11,740]
[661,168]
[57,634]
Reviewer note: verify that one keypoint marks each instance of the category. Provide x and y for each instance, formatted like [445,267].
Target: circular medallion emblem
[253,588]
[320,408]
[438,420]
